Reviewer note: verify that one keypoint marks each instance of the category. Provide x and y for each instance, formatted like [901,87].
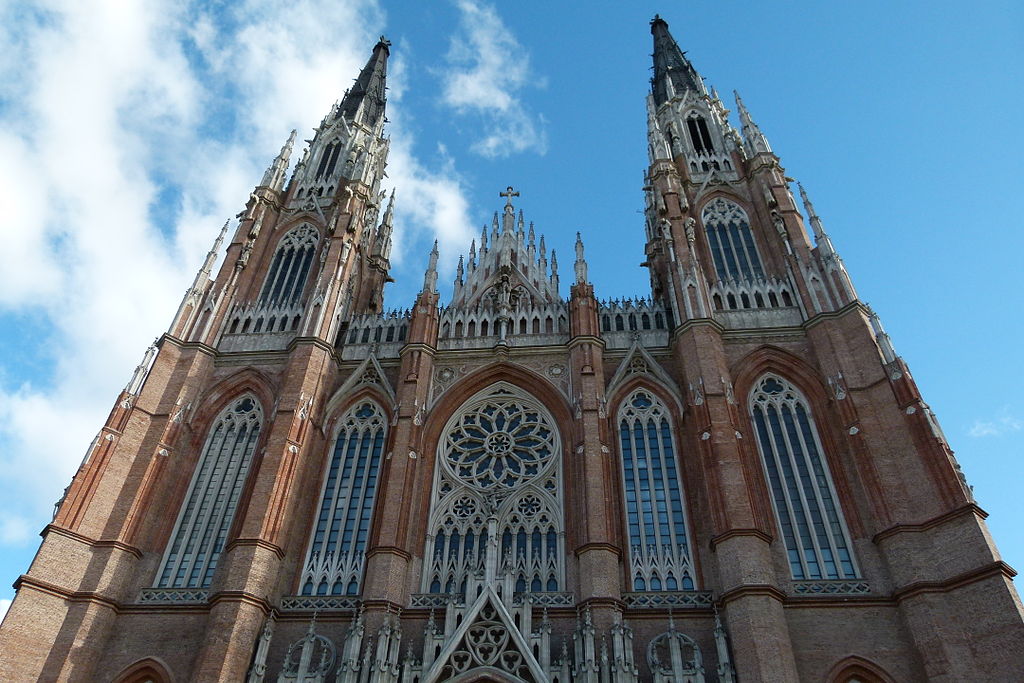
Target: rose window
[502,443]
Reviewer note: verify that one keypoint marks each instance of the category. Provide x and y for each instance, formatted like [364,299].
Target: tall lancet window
[496,508]
[209,508]
[731,241]
[803,496]
[700,136]
[659,549]
[288,270]
[334,563]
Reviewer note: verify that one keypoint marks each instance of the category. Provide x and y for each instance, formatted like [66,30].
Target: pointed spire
[483,241]
[673,73]
[430,277]
[812,216]
[756,141]
[460,272]
[273,177]
[141,371]
[364,101]
[881,336]
[581,262]
[211,256]
[386,228]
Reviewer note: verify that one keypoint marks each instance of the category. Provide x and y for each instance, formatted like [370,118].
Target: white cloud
[14,530]
[107,109]
[1004,423]
[5,605]
[487,69]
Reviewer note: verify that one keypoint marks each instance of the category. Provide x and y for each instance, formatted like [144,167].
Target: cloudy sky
[129,132]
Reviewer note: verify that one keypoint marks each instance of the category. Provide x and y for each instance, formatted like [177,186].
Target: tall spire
[673,73]
[273,177]
[756,141]
[364,102]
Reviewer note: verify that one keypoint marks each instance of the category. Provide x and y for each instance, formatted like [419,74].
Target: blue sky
[130,132]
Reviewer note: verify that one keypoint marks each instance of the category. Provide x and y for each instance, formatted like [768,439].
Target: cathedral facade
[732,477]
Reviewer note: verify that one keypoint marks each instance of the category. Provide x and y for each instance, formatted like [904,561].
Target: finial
[581,262]
[460,271]
[430,277]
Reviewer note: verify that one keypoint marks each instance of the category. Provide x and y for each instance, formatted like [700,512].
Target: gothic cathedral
[731,478]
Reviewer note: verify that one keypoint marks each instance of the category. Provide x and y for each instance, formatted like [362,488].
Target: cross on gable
[509,193]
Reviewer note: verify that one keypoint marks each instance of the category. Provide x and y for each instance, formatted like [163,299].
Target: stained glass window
[499,458]
[288,271]
[731,241]
[655,517]
[212,497]
[334,563]
[817,544]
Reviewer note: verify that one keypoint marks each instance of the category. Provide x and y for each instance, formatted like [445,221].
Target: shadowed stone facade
[730,478]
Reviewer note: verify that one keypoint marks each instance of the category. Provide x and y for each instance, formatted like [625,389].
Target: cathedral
[730,477]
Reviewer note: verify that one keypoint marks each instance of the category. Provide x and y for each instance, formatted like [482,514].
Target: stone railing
[702,163]
[528,325]
[260,327]
[620,320]
[385,333]
[760,302]
[173,596]
[668,599]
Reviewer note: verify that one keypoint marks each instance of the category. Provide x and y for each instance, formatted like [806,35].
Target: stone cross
[509,193]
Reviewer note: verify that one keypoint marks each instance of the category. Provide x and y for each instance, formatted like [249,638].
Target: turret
[274,176]
[753,138]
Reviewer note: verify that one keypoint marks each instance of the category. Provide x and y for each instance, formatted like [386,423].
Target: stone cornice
[182,344]
[241,597]
[854,305]
[26,581]
[918,527]
[255,543]
[735,533]
[752,590]
[587,547]
[997,568]
[91,542]
[692,323]
[389,550]
[584,339]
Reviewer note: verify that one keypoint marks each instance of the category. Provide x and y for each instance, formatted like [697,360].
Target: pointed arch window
[700,136]
[497,494]
[803,496]
[328,160]
[655,517]
[289,268]
[731,241]
[334,563]
[212,498]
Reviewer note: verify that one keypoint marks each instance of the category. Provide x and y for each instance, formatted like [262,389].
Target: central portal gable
[486,641]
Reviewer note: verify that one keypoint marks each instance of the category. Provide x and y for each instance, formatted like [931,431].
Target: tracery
[497,485]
